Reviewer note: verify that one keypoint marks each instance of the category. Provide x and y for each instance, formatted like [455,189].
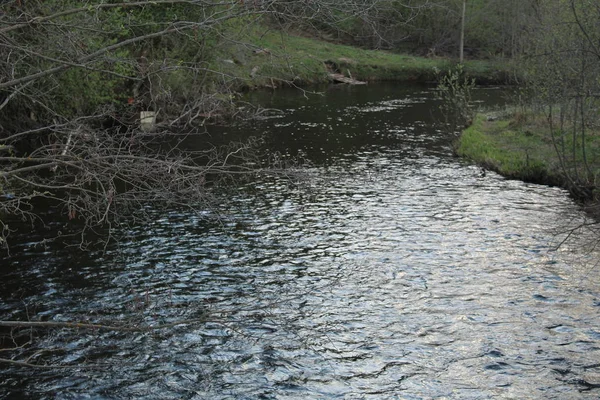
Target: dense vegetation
[75,75]
[62,60]
[553,133]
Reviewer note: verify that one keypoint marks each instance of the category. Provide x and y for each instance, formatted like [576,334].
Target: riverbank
[274,58]
[521,146]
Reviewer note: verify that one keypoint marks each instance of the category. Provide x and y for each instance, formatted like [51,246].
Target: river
[386,269]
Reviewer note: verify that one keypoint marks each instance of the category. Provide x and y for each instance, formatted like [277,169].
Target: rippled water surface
[392,270]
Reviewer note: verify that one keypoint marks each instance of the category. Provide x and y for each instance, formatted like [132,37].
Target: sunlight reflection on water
[396,271]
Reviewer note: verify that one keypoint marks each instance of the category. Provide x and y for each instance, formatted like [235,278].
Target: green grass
[305,61]
[521,146]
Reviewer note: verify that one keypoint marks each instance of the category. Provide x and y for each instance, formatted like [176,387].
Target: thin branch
[82,325]
[46,366]
[82,60]
[13,94]
[583,30]
[97,7]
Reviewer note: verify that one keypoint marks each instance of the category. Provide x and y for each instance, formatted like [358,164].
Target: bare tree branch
[83,325]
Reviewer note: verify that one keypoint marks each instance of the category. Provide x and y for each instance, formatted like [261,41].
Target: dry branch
[84,325]
[96,175]
[16,363]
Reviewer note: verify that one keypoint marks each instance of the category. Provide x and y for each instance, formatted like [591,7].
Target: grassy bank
[273,58]
[522,146]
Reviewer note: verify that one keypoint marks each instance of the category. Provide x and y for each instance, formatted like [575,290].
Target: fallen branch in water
[46,366]
[81,325]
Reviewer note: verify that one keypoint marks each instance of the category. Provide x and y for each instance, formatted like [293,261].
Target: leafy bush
[454,90]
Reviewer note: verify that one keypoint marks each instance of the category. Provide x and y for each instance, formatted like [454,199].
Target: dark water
[391,270]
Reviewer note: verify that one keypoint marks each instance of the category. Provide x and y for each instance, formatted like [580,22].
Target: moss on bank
[521,146]
[274,58]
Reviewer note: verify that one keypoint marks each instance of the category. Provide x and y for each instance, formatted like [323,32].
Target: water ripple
[399,272]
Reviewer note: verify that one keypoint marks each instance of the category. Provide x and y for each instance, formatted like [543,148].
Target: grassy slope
[520,146]
[303,61]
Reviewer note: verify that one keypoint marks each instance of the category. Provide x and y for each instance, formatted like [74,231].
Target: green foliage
[492,28]
[170,70]
[563,84]
[509,152]
[454,90]
[519,145]
[277,57]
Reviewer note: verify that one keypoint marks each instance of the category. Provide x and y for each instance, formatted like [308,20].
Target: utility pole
[462,32]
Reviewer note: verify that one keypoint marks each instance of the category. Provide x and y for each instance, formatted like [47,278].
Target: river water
[388,270]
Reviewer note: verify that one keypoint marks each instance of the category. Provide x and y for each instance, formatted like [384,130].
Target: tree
[489,28]
[563,82]
[74,77]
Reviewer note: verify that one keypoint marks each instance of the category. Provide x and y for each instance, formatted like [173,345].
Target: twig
[81,325]
[46,366]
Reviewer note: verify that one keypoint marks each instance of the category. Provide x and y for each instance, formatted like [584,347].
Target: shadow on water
[395,271]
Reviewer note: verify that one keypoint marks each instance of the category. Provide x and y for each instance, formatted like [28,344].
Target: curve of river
[394,271]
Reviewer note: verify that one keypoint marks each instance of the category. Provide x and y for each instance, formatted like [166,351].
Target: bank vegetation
[76,76]
[552,133]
